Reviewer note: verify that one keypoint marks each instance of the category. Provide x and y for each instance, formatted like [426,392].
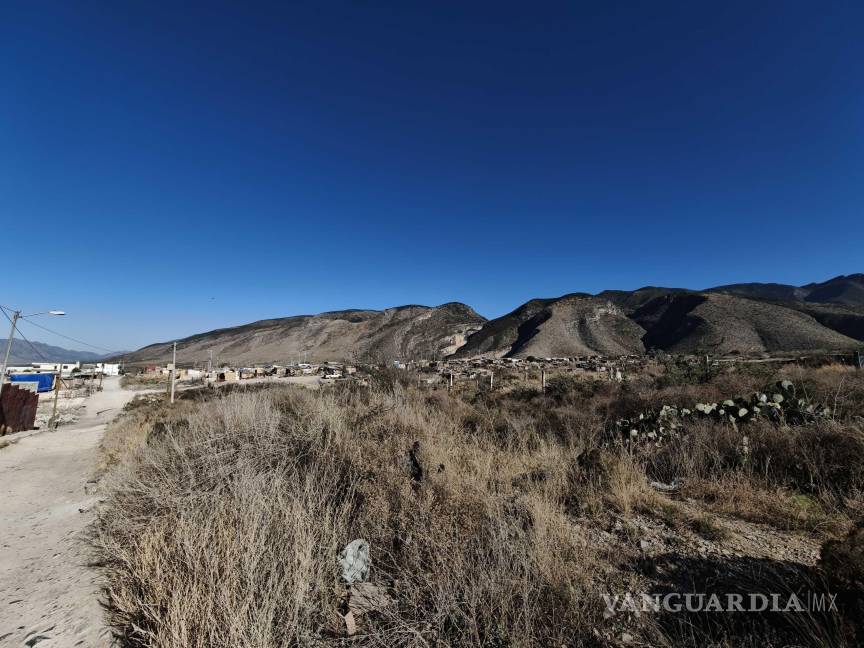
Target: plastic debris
[354,561]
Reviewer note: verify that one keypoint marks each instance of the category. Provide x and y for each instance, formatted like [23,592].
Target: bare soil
[48,596]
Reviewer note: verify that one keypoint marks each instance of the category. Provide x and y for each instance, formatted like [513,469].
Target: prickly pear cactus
[655,425]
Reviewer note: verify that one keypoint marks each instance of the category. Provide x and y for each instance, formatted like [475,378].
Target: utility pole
[543,379]
[210,362]
[491,377]
[15,316]
[57,380]
[173,372]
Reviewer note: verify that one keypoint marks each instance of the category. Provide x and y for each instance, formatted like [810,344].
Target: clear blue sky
[168,170]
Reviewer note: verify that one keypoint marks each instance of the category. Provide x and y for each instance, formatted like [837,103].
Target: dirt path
[47,594]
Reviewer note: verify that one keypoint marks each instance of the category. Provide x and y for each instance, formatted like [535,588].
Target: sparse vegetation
[495,517]
[145,381]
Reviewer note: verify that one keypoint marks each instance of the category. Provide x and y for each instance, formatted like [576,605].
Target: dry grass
[227,523]
[225,514]
[145,381]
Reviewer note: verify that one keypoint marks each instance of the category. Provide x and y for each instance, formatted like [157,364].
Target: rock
[350,624]
[366,597]
[666,488]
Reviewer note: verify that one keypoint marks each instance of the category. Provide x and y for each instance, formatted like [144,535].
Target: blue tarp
[45,380]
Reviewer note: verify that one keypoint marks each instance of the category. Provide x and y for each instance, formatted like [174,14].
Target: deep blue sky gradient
[207,165]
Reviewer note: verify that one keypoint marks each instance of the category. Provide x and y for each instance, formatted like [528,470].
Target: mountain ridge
[729,319]
[354,334]
[23,353]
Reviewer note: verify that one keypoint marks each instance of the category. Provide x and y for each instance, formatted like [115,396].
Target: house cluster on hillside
[490,371]
[590,367]
[329,371]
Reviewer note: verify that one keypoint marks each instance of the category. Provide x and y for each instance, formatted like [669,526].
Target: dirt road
[47,594]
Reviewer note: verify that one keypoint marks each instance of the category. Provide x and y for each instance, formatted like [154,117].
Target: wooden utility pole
[173,372]
[57,379]
[15,316]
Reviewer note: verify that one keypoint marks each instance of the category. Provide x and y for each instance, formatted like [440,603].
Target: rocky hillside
[677,321]
[738,318]
[404,332]
[845,290]
[724,324]
[572,325]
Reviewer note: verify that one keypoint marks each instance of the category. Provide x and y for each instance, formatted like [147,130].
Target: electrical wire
[25,318]
[35,350]
[18,331]
[92,346]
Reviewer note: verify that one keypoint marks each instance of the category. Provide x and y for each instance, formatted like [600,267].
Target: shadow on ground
[779,603]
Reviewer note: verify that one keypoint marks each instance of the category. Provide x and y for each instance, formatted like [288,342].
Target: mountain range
[23,353]
[738,318]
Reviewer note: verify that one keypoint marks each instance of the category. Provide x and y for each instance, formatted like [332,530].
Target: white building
[65,368]
[108,369]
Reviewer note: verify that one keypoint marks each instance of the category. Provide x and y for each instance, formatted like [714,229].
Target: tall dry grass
[223,525]
[225,515]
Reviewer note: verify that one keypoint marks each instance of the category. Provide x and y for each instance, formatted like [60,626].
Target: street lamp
[15,317]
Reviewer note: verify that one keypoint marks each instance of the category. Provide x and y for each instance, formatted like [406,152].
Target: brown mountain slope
[631,300]
[722,324]
[847,290]
[844,290]
[846,320]
[406,332]
[573,325]
[746,318]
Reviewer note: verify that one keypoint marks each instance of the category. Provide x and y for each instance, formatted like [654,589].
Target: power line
[45,328]
[35,350]
[92,346]
[18,331]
